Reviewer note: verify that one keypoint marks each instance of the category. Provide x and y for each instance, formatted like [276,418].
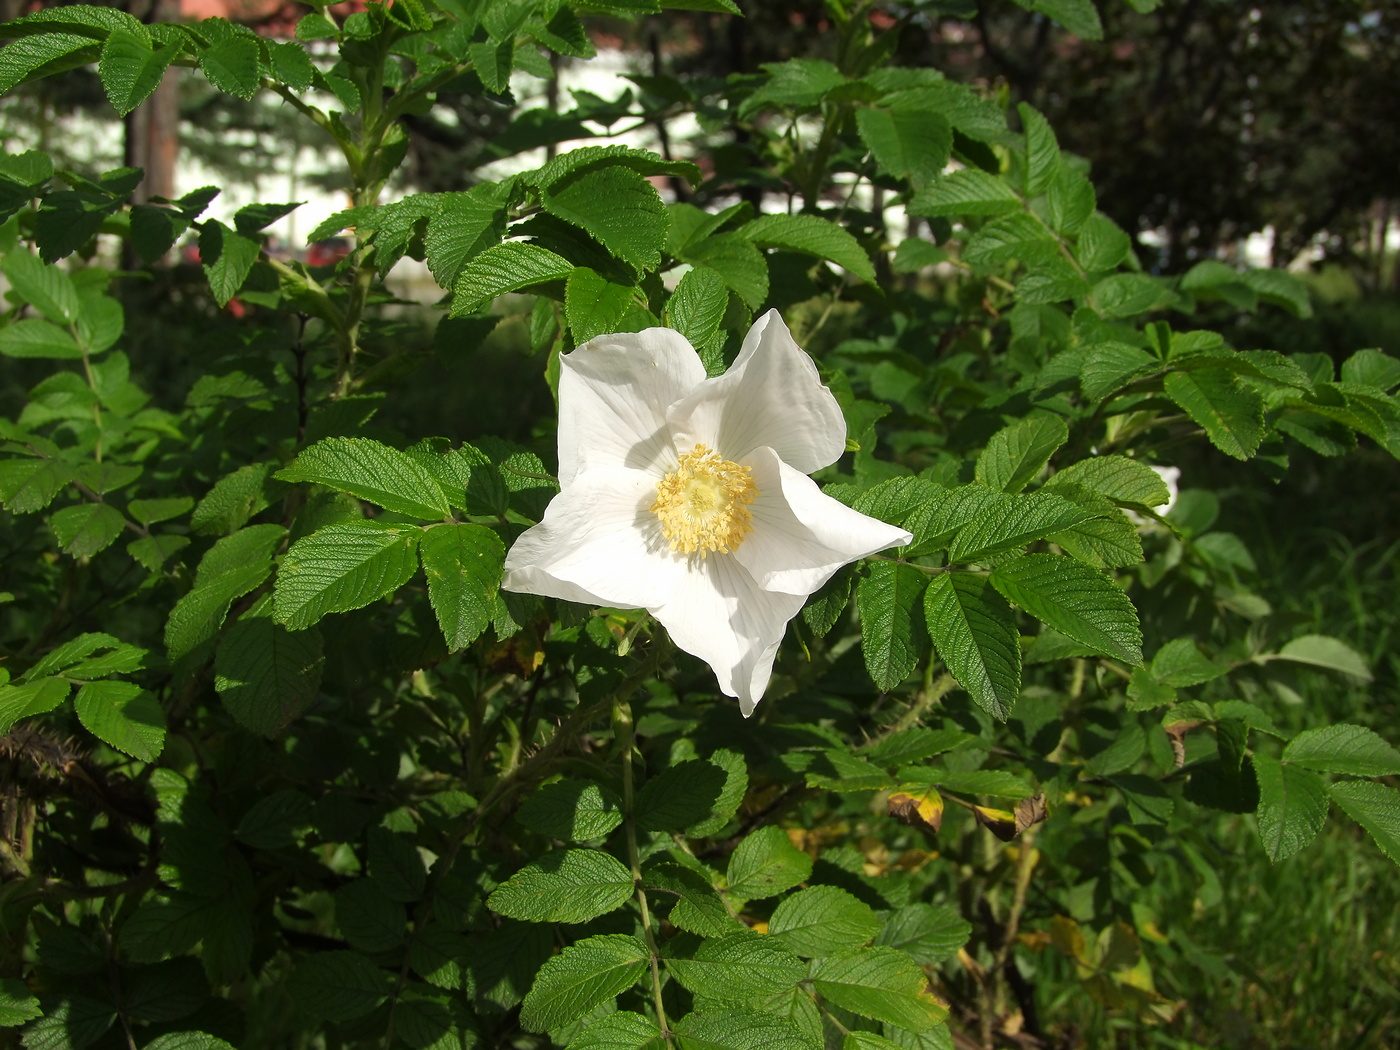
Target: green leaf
[867,1041]
[967,191]
[622,1030]
[74,1022]
[132,66]
[676,798]
[291,64]
[1148,802]
[1371,368]
[1075,600]
[880,983]
[1343,749]
[75,659]
[1122,295]
[337,985]
[618,208]
[503,268]
[36,338]
[47,288]
[492,63]
[395,865]
[228,258]
[250,219]
[740,1030]
[437,954]
[911,745]
[1070,201]
[1332,654]
[744,967]
[1102,244]
[1231,414]
[1292,806]
[230,569]
[581,977]
[1050,280]
[124,716]
[1108,540]
[188,1041]
[593,304]
[825,607]
[893,636]
[232,65]
[907,142]
[1017,236]
[465,225]
[975,634]
[1280,288]
[265,674]
[84,530]
[1042,151]
[1180,663]
[998,783]
[17,1003]
[235,498]
[823,920]
[371,471]
[697,908]
[1079,17]
[798,82]
[913,254]
[569,885]
[731,795]
[463,564]
[928,933]
[588,158]
[277,820]
[88,19]
[35,697]
[150,511]
[343,567]
[811,235]
[765,864]
[39,56]
[735,259]
[1120,479]
[1376,808]
[1018,452]
[1014,522]
[572,810]
[29,485]
[697,306]
[368,918]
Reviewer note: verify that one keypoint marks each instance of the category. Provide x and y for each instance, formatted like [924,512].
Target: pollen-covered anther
[703,503]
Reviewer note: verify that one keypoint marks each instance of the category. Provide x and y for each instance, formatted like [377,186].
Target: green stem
[624,732]
[92,385]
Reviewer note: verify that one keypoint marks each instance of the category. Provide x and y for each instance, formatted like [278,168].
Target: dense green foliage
[285,766]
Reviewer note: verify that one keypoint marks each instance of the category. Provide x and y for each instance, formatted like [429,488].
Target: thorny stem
[624,732]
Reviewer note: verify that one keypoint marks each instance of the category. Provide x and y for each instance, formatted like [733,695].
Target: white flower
[689,497]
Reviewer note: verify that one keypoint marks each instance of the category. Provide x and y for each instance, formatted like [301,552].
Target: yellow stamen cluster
[703,503]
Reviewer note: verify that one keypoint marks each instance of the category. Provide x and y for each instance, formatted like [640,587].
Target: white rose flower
[689,497]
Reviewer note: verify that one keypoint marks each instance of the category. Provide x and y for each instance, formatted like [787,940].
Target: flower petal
[771,395]
[613,394]
[800,536]
[715,610]
[599,544]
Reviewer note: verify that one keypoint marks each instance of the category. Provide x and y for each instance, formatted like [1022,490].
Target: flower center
[703,503]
